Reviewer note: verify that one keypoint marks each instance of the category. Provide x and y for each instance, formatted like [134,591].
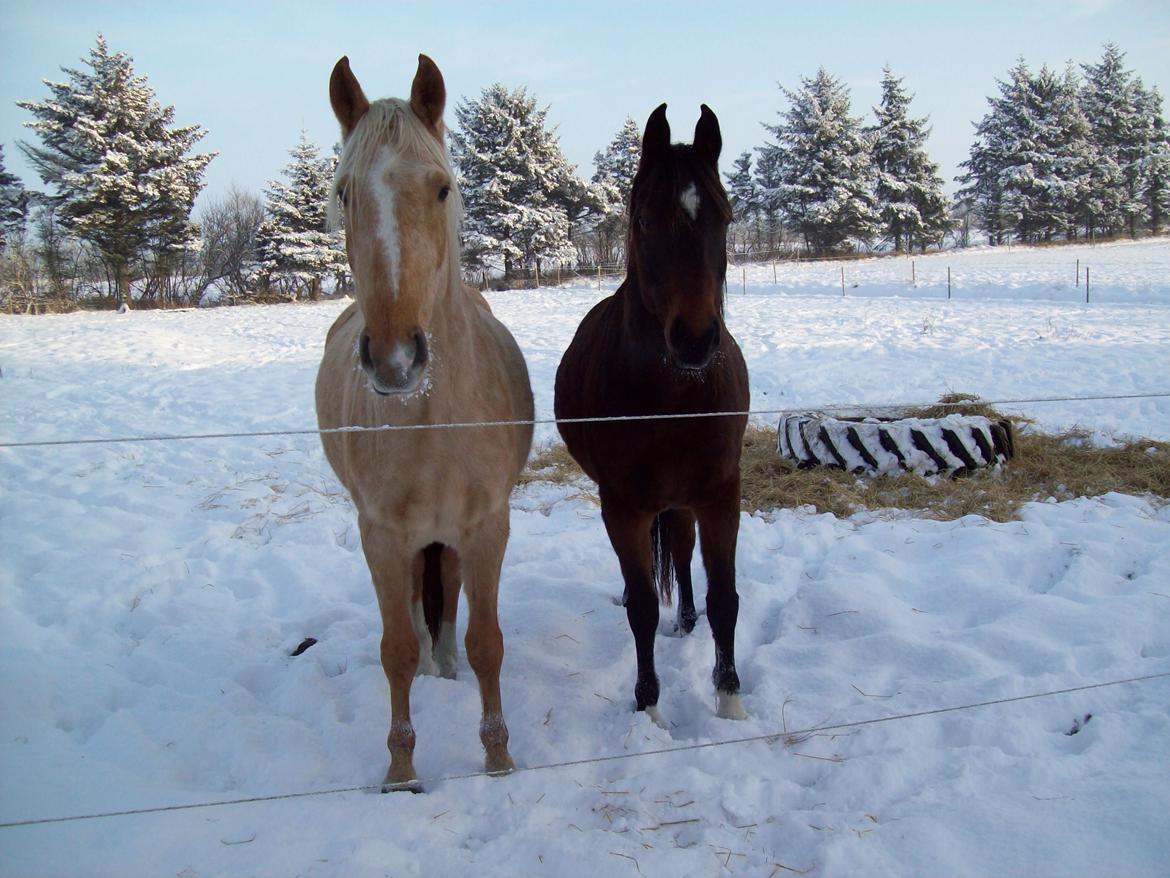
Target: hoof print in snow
[955,445]
[305,644]
[1079,724]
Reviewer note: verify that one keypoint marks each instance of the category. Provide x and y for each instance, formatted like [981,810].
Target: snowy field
[151,595]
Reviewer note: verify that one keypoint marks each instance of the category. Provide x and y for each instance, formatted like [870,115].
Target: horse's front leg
[391,561]
[629,533]
[718,534]
[481,557]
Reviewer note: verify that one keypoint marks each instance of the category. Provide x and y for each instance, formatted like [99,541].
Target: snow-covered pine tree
[1030,168]
[825,185]
[613,177]
[123,178]
[1111,100]
[13,205]
[1156,160]
[744,195]
[296,250]
[515,181]
[767,179]
[909,190]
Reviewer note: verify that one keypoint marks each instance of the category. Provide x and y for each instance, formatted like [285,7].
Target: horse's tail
[432,590]
[661,558]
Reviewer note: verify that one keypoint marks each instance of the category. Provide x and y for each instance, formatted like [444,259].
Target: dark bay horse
[659,346]
[420,348]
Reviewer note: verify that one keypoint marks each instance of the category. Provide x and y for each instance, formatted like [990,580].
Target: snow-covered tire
[954,445]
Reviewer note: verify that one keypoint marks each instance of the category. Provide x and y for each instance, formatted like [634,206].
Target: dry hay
[1061,466]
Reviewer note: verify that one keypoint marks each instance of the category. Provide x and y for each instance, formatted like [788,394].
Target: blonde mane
[391,122]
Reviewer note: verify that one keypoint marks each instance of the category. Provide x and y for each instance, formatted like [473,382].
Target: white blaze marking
[689,199]
[387,219]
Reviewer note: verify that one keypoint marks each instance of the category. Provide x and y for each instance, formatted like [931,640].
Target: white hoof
[729,706]
[426,666]
[656,716]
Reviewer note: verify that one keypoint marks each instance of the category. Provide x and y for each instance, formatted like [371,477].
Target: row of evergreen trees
[1057,156]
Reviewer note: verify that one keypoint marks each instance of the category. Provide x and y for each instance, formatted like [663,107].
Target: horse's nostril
[364,356]
[420,349]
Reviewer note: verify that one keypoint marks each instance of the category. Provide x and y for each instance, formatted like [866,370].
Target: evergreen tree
[825,178]
[295,247]
[1156,160]
[123,179]
[518,189]
[744,195]
[1030,170]
[1112,101]
[767,180]
[613,178]
[909,190]
[13,205]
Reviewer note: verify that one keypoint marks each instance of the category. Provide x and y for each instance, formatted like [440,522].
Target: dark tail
[432,590]
[661,559]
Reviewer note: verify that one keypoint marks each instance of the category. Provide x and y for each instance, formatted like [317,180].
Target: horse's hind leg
[629,533]
[682,547]
[446,653]
[482,556]
[393,584]
[718,533]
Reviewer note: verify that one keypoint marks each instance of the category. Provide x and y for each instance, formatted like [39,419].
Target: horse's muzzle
[399,370]
[690,351]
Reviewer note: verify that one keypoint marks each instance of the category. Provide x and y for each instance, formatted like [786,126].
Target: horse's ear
[346,95]
[656,140]
[708,140]
[428,95]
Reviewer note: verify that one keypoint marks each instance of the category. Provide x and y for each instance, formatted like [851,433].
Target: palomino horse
[659,346]
[419,348]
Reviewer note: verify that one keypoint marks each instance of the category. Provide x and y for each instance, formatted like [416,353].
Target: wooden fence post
[948,281]
[842,281]
[744,281]
[1086,284]
[913,275]
[1078,272]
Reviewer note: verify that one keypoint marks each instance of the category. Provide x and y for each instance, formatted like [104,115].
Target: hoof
[406,786]
[655,715]
[729,706]
[686,621]
[499,764]
[427,667]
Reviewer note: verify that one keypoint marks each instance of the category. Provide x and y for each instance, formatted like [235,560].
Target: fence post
[1079,272]
[913,275]
[599,277]
[842,281]
[948,281]
[774,271]
[1086,284]
[744,281]
[538,275]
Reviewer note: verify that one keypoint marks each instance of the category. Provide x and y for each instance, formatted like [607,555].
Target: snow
[152,594]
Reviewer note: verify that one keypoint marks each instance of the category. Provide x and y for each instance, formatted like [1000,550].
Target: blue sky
[254,74]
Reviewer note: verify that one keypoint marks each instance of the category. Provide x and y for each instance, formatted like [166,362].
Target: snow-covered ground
[150,595]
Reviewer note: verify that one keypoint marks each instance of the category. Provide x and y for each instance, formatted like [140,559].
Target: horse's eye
[343,194]
[444,192]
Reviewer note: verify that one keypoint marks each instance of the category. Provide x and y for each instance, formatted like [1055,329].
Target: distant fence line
[848,273]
